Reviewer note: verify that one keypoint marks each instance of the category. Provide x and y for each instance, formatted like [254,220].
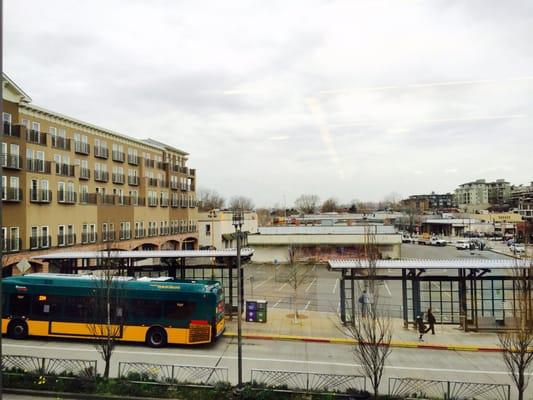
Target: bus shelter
[220,265]
[475,293]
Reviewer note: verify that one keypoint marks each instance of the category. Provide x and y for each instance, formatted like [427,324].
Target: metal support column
[343,297]
[182,268]
[404,299]
[229,263]
[415,283]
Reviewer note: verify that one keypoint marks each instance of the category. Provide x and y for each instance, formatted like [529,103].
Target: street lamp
[237,221]
[212,214]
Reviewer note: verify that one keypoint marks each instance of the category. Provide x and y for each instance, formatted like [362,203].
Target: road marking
[311,284]
[307,305]
[338,307]
[387,287]
[262,283]
[270,360]
[335,287]
[282,286]
[277,302]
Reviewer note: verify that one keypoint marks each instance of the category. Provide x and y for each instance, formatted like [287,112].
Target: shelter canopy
[454,263]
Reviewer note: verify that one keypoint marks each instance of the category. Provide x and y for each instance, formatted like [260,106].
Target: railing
[192,172]
[40,196]
[163,231]
[133,160]
[84,369]
[184,187]
[448,389]
[118,178]
[65,170]
[12,194]
[152,231]
[133,180]
[37,137]
[161,165]
[307,381]
[175,203]
[60,142]
[172,374]
[66,196]
[36,165]
[107,199]
[152,201]
[108,236]
[149,163]
[124,234]
[11,130]
[11,161]
[180,169]
[141,201]
[118,155]
[101,176]
[88,237]
[101,152]
[40,242]
[85,173]
[163,202]
[81,147]
[10,245]
[163,183]
[66,239]
[152,181]
[183,203]
[139,233]
[88,198]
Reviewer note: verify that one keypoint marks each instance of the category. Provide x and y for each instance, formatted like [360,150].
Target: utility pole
[2,239]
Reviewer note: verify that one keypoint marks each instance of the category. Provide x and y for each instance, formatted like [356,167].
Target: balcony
[11,130]
[40,242]
[174,185]
[161,165]
[192,172]
[175,203]
[163,183]
[33,136]
[174,230]
[88,198]
[89,237]
[107,199]
[141,201]
[10,161]
[11,245]
[183,203]
[85,173]
[36,165]
[125,234]
[118,178]
[66,196]
[118,156]
[163,202]
[40,196]
[60,143]
[192,203]
[140,233]
[180,169]
[108,236]
[151,182]
[149,163]
[81,147]
[101,176]
[11,195]
[164,230]
[152,201]
[101,152]
[66,240]
[152,231]
[65,170]
[183,187]
[133,180]
[133,159]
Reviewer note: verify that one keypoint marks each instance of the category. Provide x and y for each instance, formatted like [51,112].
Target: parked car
[517,248]
[435,241]
[462,245]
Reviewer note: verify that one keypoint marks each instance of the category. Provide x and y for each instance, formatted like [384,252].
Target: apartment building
[472,195]
[70,184]
[429,202]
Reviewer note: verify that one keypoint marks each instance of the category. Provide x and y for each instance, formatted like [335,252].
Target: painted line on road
[262,283]
[307,305]
[282,286]
[311,284]
[277,302]
[335,287]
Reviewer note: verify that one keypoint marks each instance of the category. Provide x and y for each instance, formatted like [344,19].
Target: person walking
[431,322]
[421,327]
[364,300]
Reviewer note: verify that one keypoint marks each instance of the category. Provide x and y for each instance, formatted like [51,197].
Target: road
[289,356]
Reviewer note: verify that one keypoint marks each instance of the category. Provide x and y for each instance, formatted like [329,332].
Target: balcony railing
[161,165]
[40,242]
[101,176]
[152,201]
[183,203]
[140,233]
[152,231]
[36,165]
[174,230]
[174,185]
[88,198]
[175,203]
[149,163]
[65,170]
[66,239]
[37,137]
[66,196]
[60,142]
[163,183]
[108,236]
[11,245]
[133,159]
[164,230]
[133,180]
[85,173]
[40,196]
[101,152]
[118,156]
[81,147]
[11,130]
[108,199]
[88,237]
[118,178]
[183,187]
[192,172]
[163,202]
[151,182]
[12,194]
[180,169]
[11,161]
[125,234]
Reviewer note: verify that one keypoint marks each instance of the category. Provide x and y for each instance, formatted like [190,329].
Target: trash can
[256,311]
[262,311]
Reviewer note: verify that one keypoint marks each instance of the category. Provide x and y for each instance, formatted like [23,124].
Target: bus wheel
[17,329]
[156,337]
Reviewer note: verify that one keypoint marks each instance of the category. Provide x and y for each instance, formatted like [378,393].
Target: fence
[307,381]
[172,374]
[84,369]
[448,390]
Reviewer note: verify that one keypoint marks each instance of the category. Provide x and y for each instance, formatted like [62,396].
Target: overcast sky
[272,99]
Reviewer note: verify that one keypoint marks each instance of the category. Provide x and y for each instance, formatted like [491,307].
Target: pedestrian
[431,322]
[364,300]
[421,327]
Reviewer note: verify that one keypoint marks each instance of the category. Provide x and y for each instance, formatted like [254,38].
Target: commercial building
[216,230]
[68,183]
[321,243]
[429,202]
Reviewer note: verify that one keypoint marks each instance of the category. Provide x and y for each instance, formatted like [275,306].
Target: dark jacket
[431,319]
[421,326]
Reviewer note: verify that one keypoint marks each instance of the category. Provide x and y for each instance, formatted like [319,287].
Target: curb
[74,396]
[395,344]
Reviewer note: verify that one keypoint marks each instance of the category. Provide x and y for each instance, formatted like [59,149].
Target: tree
[210,200]
[307,203]
[105,317]
[241,203]
[263,217]
[372,328]
[517,342]
[330,205]
[294,279]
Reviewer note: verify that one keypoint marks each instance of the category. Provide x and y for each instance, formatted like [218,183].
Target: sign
[23,266]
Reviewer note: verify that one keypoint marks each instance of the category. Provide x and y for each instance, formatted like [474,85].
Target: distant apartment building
[70,184]
[216,230]
[499,192]
[429,202]
[480,194]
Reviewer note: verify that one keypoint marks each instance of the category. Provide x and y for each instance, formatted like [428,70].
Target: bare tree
[296,274]
[263,217]
[307,203]
[210,199]
[241,203]
[517,342]
[330,205]
[105,320]
[372,328]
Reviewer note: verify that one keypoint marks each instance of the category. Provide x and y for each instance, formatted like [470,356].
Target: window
[45,240]
[35,126]
[142,309]
[14,237]
[20,304]
[76,308]
[176,310]
[46,306]
[61,235]
[208,229]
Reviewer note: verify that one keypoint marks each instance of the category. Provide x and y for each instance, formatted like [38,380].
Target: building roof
[454,263]
[326,230]
[142,254]
[23,95]
[452,221]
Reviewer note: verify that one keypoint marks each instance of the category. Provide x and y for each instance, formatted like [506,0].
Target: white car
[462,245]
[517,248]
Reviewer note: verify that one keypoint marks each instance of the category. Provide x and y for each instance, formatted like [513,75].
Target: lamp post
[212,214]
[237,222]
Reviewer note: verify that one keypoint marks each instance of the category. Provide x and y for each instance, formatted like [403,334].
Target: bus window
[20,304]
[75,308]
[144,309]
[45,306]
[179,309]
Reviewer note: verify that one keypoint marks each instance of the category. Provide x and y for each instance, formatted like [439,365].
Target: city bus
[155,311]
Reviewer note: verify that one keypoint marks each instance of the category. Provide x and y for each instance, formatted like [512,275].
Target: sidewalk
[324,327]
